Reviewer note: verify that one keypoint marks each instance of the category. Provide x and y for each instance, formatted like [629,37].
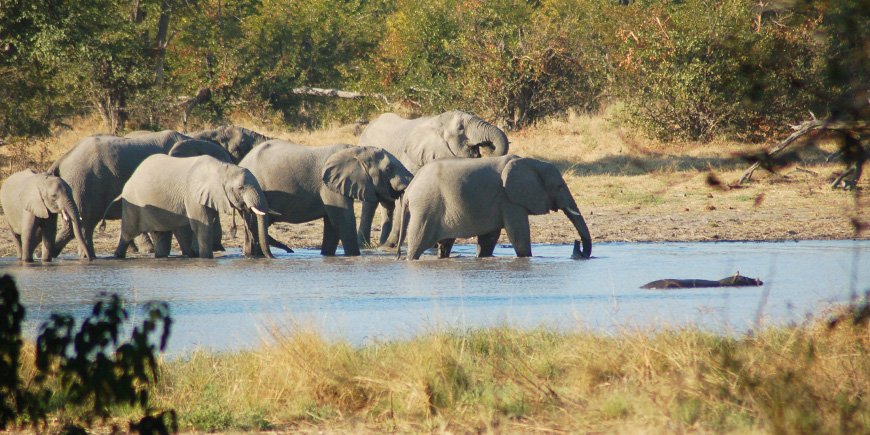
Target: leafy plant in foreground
[88,368]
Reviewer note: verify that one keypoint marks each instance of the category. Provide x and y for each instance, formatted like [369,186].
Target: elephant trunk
[255,199]
[577,219]
[69,209]
[264,237]
[484,132]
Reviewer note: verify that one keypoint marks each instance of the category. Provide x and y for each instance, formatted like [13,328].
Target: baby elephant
[183,196]
[31,202]
[454,198]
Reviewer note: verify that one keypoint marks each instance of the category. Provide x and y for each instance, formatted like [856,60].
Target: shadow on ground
[654,162]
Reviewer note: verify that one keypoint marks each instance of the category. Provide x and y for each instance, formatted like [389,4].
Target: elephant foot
[387,246]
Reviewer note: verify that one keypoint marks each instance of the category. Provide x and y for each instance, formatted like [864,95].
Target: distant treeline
[690,69]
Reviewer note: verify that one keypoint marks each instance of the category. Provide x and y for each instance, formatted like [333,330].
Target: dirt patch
[628,189]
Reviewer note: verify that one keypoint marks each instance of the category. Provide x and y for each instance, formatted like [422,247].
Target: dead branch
[336,93]
[800,131]
[187,104]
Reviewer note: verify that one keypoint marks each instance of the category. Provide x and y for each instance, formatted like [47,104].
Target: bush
[81,373]
[694,69]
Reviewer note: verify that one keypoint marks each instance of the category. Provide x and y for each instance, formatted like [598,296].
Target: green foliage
[81,373]
[681,69]
[11,316]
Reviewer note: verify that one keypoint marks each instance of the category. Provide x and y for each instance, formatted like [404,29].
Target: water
[233,303]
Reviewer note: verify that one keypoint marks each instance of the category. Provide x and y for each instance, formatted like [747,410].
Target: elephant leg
[366,217]
[217,233]
[124,241]
[129,231]
[444,247]
[88,231]
[202,232]
[162,243]
[28,238]
[390,238]
[387,219]
[186,241]
[143,243]
[421,236]
[62,237]
[516,225]
[49,230]
[17,240]
[330,238]
[344,223]
[486,243]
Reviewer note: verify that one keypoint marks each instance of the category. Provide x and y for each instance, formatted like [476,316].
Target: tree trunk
[162,40]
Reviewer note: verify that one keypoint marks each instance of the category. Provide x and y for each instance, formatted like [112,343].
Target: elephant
[455,198]
[31,202]
[417,142]
[196,147]
[237,141]
[306,183]
[96,169]
[182,196]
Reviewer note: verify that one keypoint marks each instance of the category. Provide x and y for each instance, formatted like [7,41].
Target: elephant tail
[404,218]
[106,212]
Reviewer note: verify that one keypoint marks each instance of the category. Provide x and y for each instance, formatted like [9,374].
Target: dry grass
[628,188]
[807,379]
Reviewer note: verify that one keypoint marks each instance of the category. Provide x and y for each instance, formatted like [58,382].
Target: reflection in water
[232,302]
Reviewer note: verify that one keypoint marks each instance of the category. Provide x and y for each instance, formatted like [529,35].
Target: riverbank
[628,188]
[810,378]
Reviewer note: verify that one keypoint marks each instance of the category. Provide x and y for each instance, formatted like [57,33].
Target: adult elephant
[417,142]
[182,196]
[457,198]
[237,141]
[96,169]
[31,202]
[305,183]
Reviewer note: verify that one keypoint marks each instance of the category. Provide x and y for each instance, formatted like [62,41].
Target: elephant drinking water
[454,198]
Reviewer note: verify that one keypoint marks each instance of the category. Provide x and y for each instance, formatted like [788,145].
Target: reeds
[809,378]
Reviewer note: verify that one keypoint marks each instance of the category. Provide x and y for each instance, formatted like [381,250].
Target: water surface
[232,302]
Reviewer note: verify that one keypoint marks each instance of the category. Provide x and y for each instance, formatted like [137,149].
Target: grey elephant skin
[459,198]
[237,141]
[31,203]
[183,196]
[305,183]
[96,169]
[417,142]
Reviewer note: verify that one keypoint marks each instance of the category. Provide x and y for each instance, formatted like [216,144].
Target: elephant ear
[208,185]
[524,186]
[346,174]
[34,200]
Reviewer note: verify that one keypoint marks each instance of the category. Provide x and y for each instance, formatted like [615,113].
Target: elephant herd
[437,178]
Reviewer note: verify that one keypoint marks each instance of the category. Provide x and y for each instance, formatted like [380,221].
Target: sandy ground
[627,189]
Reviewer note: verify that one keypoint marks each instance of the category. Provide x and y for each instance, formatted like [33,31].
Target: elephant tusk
[64,216]
[572,211]
[256,211]
[274,213]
